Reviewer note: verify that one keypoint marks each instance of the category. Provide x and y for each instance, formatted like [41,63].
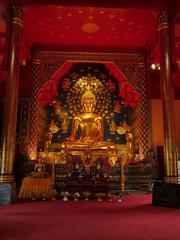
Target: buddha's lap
[89,145]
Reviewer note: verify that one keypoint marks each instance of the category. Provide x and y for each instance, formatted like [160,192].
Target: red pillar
[167,94]
[11,98]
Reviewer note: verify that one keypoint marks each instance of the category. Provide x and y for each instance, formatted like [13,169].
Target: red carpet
[134,219]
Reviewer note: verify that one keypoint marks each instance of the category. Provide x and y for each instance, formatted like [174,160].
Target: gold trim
[7,178]
[141,65]
[36,61]
[17,21]
[163,26]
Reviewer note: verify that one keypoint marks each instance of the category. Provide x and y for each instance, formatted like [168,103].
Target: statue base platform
[73,185]
[55,152]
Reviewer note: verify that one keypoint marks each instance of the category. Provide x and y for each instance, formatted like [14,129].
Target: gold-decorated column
[170,149]
[11,97]
[143,110]
[34,110]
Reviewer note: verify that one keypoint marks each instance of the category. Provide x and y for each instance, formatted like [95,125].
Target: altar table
[35,187]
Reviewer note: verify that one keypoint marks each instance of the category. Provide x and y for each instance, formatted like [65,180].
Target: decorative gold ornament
[64,124]
[121,130]
[53,127]
[88,85]
[112,127]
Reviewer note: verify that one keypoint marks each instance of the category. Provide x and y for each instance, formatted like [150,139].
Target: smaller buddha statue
[39,169]
[64,124]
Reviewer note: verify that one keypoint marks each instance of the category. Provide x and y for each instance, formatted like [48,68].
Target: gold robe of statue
[91,129]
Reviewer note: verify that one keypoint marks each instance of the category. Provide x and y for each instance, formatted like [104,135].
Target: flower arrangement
[87,194]
[76,196]
[100,196]
[65,195]
[110,196]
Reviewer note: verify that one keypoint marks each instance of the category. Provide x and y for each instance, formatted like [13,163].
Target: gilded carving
[163,20]
[17,15]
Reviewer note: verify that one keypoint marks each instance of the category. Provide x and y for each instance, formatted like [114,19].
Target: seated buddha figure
[39,169]
[91,128]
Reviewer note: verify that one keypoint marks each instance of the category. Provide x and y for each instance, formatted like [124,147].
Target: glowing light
[23,62]
[153,66]
[33,156]
[32,153]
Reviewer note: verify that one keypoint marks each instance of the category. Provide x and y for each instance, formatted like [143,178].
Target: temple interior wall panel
[157,123]
[157,126]
[177,115]
[135,130]
[42,126]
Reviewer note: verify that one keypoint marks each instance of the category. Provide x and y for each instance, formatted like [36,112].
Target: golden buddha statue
[39,169]
[91,130]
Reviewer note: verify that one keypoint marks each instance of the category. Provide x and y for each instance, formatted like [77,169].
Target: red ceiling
[113,26]
[94,27]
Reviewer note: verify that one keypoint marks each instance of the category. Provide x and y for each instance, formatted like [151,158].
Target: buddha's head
[88,101]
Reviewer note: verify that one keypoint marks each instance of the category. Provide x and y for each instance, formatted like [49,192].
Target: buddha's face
[88,104]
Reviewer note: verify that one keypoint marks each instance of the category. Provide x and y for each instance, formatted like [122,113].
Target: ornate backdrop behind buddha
[88,109]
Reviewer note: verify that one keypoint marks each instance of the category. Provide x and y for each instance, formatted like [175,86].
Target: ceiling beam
[158,4]
[45,47]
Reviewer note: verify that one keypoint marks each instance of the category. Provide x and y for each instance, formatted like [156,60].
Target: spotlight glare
[153,66]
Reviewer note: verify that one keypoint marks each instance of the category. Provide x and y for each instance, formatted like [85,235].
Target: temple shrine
[90,100]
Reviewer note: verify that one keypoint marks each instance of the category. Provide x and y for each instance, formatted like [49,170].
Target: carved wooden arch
[131,65]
